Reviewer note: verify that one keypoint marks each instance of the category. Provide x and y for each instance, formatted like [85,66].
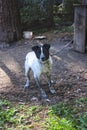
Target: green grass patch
[62,116]
[64,29]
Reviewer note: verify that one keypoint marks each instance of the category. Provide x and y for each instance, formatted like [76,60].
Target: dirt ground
[69,72]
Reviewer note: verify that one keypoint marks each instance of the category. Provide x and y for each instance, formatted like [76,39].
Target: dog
[40,62]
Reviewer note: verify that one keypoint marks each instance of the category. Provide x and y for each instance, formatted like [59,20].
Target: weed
[62,116]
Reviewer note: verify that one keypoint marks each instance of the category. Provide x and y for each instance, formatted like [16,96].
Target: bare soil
[69,72]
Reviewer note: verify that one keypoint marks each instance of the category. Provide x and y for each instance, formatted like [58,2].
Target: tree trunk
[10,29]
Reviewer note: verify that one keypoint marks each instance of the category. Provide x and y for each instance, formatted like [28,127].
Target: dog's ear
[47,46]
[35,48]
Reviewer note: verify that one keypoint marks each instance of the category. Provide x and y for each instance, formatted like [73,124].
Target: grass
[68,29]
[62,116]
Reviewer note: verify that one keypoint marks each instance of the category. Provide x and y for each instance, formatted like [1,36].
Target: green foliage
[6,113]
[57,123]
[68,4]
[82,125]
[62,116]
[65,11]
[72,113]
[69,8]
[64,29]
[35,13]
[31,12]
[4,103]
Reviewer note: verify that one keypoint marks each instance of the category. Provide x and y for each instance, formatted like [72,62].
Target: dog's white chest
[45,68]
[36,66]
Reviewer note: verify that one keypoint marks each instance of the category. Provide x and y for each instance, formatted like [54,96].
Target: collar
[44,62]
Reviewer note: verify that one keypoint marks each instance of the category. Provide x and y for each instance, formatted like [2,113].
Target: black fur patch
[45,49]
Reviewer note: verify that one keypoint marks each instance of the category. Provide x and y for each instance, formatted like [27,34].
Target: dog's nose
[43,58]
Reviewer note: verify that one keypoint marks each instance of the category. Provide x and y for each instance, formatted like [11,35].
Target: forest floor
[69,71]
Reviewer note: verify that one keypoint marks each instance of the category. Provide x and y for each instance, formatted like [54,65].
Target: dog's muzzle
[43,59]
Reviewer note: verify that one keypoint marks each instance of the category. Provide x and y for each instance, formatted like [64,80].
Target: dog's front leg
[27,85]
[51,88]
[43,94]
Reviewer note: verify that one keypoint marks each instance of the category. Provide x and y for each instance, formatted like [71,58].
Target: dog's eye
[38,50]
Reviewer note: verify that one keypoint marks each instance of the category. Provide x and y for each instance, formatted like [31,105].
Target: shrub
[35,12]
[69,8]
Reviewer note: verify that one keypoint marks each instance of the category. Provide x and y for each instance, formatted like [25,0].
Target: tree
[49,11]
[10,28]
[36,12]
[69,8]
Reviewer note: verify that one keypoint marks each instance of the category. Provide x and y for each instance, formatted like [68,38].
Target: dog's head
[42,52]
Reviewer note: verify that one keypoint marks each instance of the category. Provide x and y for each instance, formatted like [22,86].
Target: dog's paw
[26,86]
[43,94]
[51,83]
[52,90]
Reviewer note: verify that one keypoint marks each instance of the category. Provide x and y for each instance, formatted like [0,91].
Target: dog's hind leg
[50,84]
[27,71]
[43,94]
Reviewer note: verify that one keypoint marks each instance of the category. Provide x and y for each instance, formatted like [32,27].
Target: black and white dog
[40,62]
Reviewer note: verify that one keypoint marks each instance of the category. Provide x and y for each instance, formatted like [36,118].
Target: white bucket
[27,34]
